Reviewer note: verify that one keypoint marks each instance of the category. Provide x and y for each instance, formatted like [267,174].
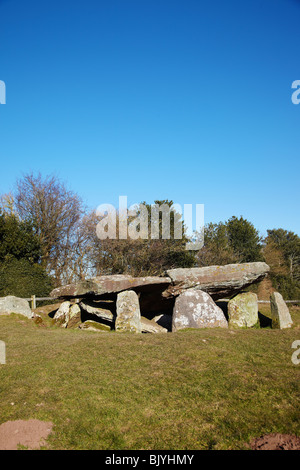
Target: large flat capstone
[217,281]
[110,284]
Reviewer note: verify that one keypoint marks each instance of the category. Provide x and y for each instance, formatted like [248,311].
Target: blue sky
[187,100]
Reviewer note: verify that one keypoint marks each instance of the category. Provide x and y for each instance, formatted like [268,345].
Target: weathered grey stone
[128,312]
[94,326]
[243,310]
[196,309]
[280,313]
[12,304]
[217,281]
[61,316]
[109,284]
[150,326]
[98,309]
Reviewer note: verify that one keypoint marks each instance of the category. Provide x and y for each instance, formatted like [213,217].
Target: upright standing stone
[61,316]
[280,314]
[74,316]
[196,309]
[128,312]
[243,310]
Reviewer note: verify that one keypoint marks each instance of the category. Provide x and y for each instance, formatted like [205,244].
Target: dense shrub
[289,288]
[23,278]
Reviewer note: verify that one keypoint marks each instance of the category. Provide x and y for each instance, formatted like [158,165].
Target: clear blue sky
[187,100]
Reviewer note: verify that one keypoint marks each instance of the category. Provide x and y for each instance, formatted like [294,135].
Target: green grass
[195,389]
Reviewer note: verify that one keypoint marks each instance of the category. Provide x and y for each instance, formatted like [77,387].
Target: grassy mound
[195,389]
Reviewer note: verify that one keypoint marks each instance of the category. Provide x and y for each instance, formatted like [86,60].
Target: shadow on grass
[264,321]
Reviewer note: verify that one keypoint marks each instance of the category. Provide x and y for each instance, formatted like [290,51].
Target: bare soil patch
[276,442]
[31,434]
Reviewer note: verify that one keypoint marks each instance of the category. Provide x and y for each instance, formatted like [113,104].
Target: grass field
[195,389]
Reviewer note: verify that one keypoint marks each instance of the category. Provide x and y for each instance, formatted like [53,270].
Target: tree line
[48,238]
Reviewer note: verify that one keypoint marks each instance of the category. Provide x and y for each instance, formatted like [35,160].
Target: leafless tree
[7,204]
[54,212]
